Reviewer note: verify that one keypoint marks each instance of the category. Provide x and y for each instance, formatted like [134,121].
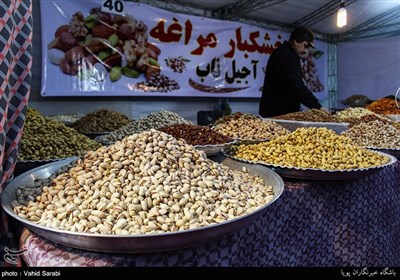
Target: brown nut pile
[44,138]
[247,126]
[196,134]
[374,134]
[313,115]
[317,148]
[367,118]
[154,120]
[146,183]
[384,106]
[102,120]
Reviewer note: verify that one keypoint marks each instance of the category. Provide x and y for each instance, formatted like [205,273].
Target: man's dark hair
[301,34]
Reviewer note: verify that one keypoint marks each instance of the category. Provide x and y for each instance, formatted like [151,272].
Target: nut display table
[314,223]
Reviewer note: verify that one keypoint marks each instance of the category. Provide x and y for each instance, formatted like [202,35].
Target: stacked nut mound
[196,134]
[248,126]
[154,120]
[44,139]
[374,134]
[384,106]
[313,115]
[353,115]
[102,120]
[146,183]
[316,148]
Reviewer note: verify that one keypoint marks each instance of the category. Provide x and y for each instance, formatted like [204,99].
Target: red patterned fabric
[15,83]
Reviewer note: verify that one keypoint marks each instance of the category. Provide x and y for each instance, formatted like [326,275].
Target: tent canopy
[366,18]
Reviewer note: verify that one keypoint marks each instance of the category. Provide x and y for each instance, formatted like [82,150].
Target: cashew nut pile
[146,183]
[317,148]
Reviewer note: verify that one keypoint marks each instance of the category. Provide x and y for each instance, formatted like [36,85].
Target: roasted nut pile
[313,115]
[196,134]
[44,138]
[374,134]
[102,120]
[367,118]
[318,148]
[351,113]
[384,106]
[154,120]
[146,183]
[247,126]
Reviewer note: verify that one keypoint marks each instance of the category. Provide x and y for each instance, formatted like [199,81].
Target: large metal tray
[211,150]
[138,243]
[93,135]
[318,174]
[26,165]
[393,152]
[293,125]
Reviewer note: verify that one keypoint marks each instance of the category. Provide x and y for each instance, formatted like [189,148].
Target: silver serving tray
[319,174]
[138,243]
[211,150]
[242,141]
[393,152]
[293,125]
[25,165]
[93,135]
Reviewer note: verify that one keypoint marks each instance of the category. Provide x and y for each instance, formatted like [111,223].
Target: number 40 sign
[116,7]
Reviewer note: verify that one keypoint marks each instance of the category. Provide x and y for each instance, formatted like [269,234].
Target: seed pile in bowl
[313,115]
[374,134]
[384,106]
[317,148]
[196,134]
[154,120]
[147,183]
[102,120]
[44,138]
[248,126]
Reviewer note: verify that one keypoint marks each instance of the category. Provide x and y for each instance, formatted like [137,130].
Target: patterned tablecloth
[313,223]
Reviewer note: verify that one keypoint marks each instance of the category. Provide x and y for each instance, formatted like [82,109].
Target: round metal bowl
[26,165]
[93,135]
[138,243]
[212,150]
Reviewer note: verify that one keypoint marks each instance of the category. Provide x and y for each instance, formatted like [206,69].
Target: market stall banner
[146,51]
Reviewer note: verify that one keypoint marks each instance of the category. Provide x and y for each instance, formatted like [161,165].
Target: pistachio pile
[317,148]
[102,120]
[351,113]
[248,126]
[375,134]
[44,138]
[153,120]
[146,183]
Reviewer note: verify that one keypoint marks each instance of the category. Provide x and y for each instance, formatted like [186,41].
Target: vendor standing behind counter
[284,89]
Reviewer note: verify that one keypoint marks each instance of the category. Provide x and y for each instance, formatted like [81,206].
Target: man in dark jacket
[284,89]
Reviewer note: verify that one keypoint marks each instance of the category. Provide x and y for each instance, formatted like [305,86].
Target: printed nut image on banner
[140,50]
